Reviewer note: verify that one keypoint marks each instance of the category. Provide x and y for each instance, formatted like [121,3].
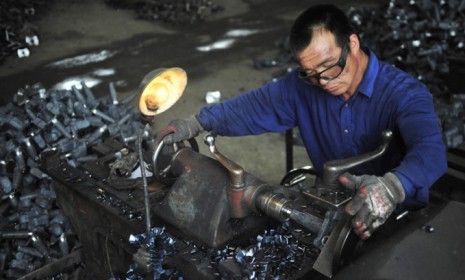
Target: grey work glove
[184,129]
[374,201]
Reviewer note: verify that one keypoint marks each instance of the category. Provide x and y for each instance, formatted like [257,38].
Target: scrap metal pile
[277,253]
[421,37]
[185,11]
[33,231]
[17,33]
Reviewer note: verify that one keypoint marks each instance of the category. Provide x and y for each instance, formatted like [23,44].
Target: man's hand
[183,129]
[374,201]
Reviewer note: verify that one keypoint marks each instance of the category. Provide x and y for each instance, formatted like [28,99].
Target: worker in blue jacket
[341,97]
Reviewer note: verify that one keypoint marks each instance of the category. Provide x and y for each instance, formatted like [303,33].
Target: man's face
[323,54]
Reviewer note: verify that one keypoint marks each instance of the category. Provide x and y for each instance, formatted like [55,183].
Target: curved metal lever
[235,170]
[334,168]
[235,190]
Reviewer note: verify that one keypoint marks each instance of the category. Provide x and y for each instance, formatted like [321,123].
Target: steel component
[61,128]
[279,207]
[97,134]
[16,234]
[333,169]
[102,115]
[236,188]
[333,250]
[91,100]
[113,94]
[6,184]
[144,183]
[30,149]
[19,159]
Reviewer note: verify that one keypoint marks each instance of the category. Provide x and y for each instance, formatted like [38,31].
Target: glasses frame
[316,78]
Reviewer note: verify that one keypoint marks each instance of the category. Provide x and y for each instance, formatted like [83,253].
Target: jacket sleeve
[270,108]
[425,160]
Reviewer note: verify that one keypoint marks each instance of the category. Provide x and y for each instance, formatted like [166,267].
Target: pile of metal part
[33,230]
[17,33]
[277,253]
[419,37]
[158,245]
[185,11]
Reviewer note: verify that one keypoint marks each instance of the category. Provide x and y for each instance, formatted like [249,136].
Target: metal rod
[155,157]
[144,182]
[289,151]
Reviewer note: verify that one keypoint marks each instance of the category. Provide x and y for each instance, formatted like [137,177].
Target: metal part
[330,256]
[277,206]
[144,183]
[327,190]
[113,94]
[237,187]
[333,169]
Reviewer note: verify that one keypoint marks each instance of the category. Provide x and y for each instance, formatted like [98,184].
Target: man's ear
[354,43]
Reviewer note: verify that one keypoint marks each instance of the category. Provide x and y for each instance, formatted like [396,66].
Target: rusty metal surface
[197,202]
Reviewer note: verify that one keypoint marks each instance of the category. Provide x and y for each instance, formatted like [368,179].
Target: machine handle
[334,168]
[235,170]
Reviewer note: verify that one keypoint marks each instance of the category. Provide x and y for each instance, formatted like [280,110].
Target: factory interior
[89,190]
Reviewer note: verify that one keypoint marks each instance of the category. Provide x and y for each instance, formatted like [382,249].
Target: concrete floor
[72,28]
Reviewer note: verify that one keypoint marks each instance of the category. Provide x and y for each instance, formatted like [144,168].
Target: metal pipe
[144,182]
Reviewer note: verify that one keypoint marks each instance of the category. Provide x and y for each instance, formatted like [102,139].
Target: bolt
[37,173]
[14,122]
[7,187]
[70,108]
[113,94]
[77,125]
[87,158]
[102,115]
[30,251]
[20,159]
[30,149]
[39,245]
[38,139]
[97,134]
[53,108]
[16,234]
[91,101]
[61,128]
[79,96]
[80,149]
[63,243]
[17,178]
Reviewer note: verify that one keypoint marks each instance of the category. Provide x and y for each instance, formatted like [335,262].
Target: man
[341,98]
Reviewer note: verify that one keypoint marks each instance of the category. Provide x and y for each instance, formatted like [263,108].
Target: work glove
[374,201]
[183,129]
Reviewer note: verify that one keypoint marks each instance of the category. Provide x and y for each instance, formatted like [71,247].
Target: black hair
[329,17]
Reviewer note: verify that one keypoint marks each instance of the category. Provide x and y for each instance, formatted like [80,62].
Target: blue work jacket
[332,128]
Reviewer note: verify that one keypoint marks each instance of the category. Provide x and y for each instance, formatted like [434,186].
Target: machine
[207,203]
